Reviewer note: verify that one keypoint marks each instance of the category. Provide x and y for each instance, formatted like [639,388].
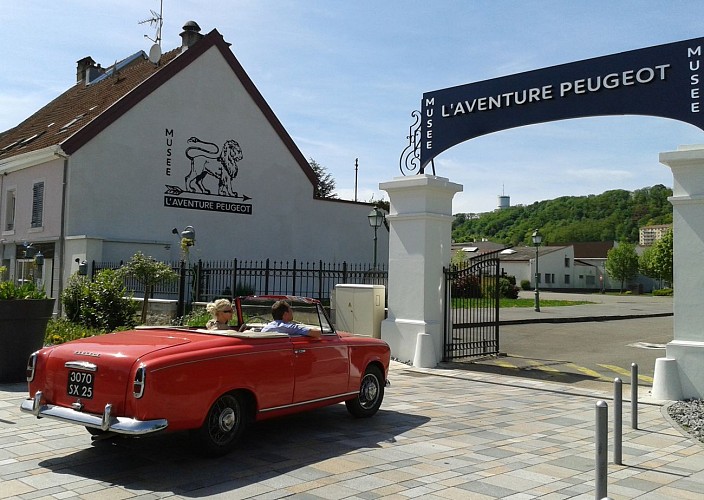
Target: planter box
[22,330]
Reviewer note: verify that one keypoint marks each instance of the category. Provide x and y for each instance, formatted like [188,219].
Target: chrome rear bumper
[105,422]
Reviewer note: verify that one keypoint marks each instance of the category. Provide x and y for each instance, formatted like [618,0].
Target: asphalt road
[587,354]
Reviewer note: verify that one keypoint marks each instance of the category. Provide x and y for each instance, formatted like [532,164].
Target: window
[549,278]
[567,262]
[37,204]
[567,279]
[10,210]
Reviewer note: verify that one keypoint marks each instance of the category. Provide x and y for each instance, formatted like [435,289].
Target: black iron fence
[204,281]
[472,308]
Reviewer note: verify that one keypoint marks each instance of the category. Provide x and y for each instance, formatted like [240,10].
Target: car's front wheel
[371,394]
[223,425]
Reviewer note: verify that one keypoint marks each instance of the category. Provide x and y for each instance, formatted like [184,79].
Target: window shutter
[10,211]
[37,204]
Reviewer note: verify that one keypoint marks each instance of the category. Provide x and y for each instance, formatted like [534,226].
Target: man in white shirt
[282,313]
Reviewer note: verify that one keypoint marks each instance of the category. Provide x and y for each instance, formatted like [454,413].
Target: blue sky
[344,77]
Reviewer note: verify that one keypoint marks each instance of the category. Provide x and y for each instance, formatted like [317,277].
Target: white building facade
[117,162]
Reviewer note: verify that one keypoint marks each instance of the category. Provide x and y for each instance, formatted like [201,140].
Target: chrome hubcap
[227,420]
[369,391]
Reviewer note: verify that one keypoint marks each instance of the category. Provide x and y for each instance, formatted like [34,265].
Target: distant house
[139,148]
[573,266]
[555,266]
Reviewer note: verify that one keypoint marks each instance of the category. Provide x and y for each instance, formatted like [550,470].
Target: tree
[325,187]
[657,261]
[622,262]
[611,216]
[149,273]
[646,263]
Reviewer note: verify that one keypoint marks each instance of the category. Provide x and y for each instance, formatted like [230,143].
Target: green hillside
[611,216]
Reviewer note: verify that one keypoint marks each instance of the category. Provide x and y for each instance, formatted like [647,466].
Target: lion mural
[208,159]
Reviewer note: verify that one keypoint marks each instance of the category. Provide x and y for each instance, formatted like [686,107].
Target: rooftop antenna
[356,168]
[158,20]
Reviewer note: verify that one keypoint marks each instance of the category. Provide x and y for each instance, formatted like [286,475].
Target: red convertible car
[212,382]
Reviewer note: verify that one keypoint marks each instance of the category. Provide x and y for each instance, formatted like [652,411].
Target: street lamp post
[537,240]
[188,239]
[376,218]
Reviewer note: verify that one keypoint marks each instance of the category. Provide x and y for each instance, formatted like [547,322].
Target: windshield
[256,312]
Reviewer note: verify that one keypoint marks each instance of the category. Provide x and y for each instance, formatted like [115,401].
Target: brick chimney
[190,35]
[87,70]
[82,66]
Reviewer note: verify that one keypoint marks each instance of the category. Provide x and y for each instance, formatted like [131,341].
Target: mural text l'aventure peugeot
[209,183]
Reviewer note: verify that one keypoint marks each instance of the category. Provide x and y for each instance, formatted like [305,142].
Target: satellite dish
[155,53]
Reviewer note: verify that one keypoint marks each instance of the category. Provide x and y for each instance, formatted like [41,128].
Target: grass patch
[543,303]
[506,303]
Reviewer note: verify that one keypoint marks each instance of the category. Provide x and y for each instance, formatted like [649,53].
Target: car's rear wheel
[371,394]
[223,425]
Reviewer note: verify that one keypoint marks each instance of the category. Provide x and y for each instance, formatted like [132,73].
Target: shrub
[467,286]
[663,292]
[525,285]
[507,287]
[197,317]
[62,330]
[101,304]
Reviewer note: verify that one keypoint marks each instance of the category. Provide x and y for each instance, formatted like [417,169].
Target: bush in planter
[26,291]
[24,313]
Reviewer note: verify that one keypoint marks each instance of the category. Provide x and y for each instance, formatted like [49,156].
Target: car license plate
[80,384]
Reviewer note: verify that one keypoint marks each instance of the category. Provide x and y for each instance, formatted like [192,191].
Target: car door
[321,365]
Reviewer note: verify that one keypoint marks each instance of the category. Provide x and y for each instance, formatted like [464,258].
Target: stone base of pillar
[402,335]
[425,352]
[689,358]
[666,382]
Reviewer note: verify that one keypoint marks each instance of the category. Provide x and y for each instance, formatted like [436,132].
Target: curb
[582,319]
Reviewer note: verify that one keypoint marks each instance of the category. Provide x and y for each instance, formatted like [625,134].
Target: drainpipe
[2,241]
[62,232]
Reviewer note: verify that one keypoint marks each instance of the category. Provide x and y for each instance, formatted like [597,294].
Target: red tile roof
[80,113]
[77,107]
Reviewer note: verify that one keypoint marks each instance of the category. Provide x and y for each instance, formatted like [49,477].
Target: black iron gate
[472,308]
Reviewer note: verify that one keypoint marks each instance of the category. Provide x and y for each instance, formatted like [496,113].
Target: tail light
[139,381]
[31,366]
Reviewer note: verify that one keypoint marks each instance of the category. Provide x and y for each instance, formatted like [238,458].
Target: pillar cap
[421,181]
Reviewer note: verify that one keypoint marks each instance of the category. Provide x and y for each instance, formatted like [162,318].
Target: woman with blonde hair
[221,310]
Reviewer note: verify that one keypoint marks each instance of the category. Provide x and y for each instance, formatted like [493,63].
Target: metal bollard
[634,396]
[602,434]
[618,422]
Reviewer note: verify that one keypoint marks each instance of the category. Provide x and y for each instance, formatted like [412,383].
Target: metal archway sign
[663,81]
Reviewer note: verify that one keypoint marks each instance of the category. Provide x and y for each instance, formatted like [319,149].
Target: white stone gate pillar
[681,373]
[420,227]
